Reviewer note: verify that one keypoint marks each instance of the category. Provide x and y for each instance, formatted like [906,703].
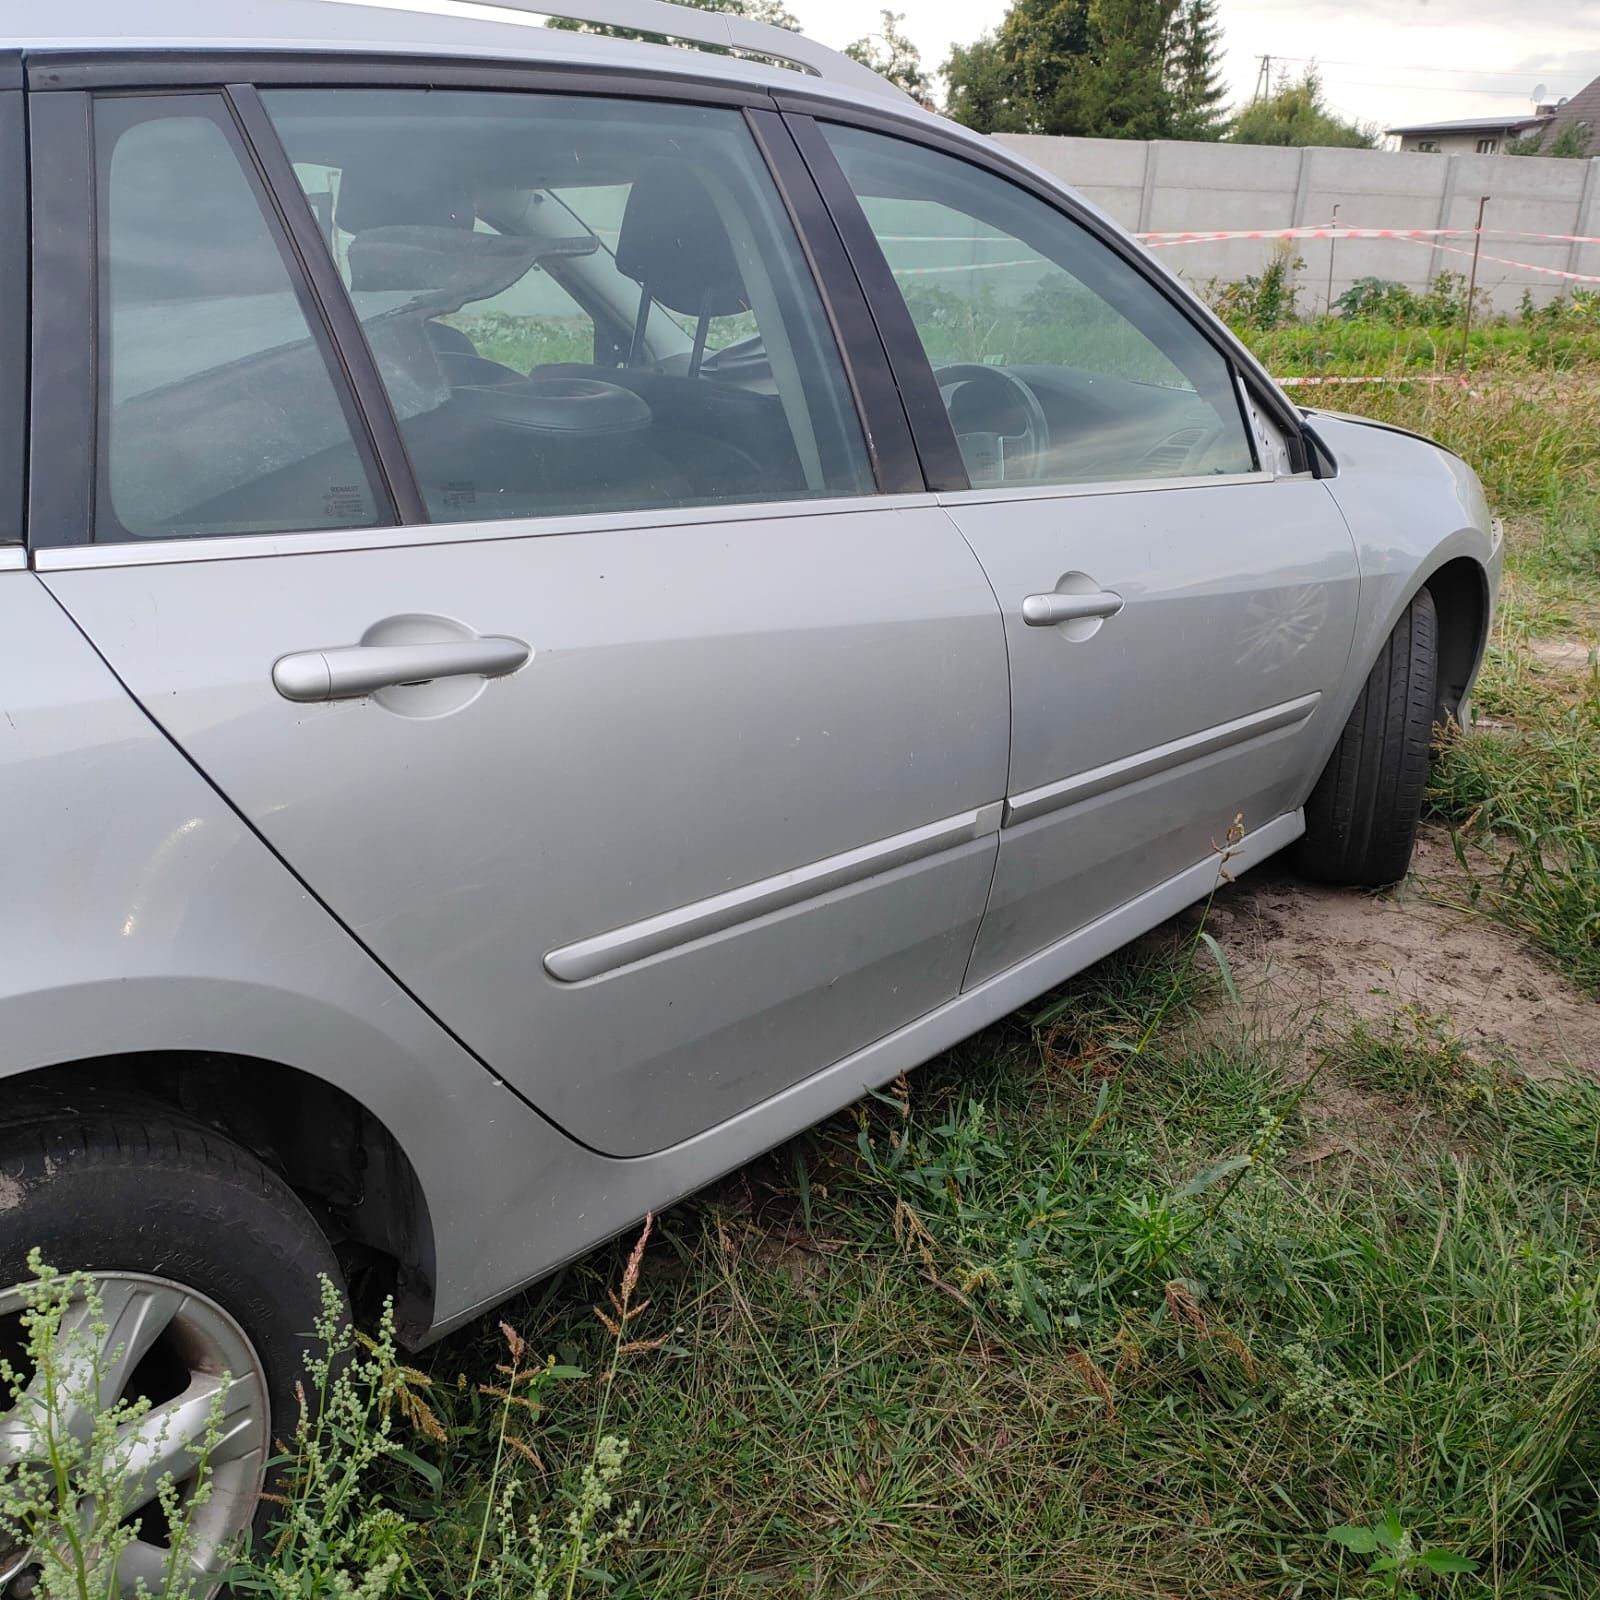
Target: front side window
[217,411]
[1057,362]
[577,304]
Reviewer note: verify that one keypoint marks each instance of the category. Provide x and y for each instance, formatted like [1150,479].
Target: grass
[1061,1318]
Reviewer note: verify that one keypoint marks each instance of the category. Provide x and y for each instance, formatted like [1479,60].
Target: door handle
[1046,610]
[357,670]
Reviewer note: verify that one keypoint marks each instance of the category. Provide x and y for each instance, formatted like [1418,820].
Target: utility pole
[1263,81]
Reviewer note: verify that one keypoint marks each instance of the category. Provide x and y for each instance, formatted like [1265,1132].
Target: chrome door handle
[360,669]
[1046,610]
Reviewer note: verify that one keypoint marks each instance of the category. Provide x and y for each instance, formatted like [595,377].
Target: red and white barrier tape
[1160,241]
[1454,380]
[1524,266]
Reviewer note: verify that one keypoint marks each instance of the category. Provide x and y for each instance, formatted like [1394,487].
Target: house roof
[1584,106]
[1476,124]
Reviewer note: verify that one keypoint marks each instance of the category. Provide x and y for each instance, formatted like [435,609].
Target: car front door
[1177,601]
[572,659]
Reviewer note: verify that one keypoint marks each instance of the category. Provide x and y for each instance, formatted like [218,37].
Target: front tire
[206,1261]
[1361,819]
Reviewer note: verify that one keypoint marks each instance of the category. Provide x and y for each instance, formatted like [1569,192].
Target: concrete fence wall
[1169,186]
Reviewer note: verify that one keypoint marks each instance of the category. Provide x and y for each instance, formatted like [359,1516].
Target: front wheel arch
[1460,590]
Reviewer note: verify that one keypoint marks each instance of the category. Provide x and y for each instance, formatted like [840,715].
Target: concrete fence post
[1447,197]
[1147,195]
[1585,219]
[1302,188]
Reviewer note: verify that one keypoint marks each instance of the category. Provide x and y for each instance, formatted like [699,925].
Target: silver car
[570,605]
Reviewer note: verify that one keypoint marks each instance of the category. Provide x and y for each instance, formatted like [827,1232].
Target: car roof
[501,31]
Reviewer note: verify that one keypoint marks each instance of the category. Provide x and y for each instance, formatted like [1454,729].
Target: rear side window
[218,413]
[577,304]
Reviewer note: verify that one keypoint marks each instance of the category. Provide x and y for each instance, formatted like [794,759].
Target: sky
[1382,61]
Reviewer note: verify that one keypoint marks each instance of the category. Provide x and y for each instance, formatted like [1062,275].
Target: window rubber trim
[63,322]
[884,424]
[370,69]
[320,273]
[799,106]
[942,465]
[13,302]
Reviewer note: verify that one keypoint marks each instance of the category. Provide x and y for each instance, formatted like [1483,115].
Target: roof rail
[742,35]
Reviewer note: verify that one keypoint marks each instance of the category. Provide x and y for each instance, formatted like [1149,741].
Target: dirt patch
[1564,655]
[1309,960]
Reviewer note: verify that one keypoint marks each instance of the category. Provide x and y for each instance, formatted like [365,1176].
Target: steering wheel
[994,457]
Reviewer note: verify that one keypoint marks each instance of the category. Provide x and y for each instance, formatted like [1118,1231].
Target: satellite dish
[1540,91]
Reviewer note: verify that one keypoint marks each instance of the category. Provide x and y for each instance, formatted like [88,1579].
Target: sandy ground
[1311,959]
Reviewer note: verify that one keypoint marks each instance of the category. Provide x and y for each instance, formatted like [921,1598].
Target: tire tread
[1362,816]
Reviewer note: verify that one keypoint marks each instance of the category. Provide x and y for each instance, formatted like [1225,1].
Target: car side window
[218,414]
[1057,362]
[577,304]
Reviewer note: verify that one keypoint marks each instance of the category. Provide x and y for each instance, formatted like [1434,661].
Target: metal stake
[1331,244]
[1472,281]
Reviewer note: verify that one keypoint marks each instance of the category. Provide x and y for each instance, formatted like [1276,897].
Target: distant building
[1488,136]
[1484,136]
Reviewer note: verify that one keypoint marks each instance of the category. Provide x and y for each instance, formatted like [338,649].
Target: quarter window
[577,304]
[217,411]
[1057,362]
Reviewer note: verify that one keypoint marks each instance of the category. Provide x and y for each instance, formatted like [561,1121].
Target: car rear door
[1178,597]
[619,711]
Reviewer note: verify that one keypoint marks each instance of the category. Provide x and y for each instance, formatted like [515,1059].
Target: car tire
[151,1205]
[1361,819]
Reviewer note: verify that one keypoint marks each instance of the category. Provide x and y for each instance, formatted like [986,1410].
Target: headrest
[392,194]
[674,243]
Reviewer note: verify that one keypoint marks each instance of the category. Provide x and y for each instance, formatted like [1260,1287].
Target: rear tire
[151,1204]
[1361,819]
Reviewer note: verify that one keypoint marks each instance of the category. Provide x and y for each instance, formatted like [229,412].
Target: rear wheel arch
[337,1155]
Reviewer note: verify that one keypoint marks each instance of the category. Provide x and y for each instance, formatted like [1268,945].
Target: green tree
[1571,142]
[983,89]
[773,11]
[892,55]
[1128,69]
[1194,67]
[1296,114]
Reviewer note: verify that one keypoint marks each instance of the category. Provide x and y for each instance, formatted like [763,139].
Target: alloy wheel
[188,1357]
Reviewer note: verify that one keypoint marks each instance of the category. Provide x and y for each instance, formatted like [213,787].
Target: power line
[1417,66]
[1427,88]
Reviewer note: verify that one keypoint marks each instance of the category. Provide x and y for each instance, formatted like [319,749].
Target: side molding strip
[606,952]
[1114,774]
